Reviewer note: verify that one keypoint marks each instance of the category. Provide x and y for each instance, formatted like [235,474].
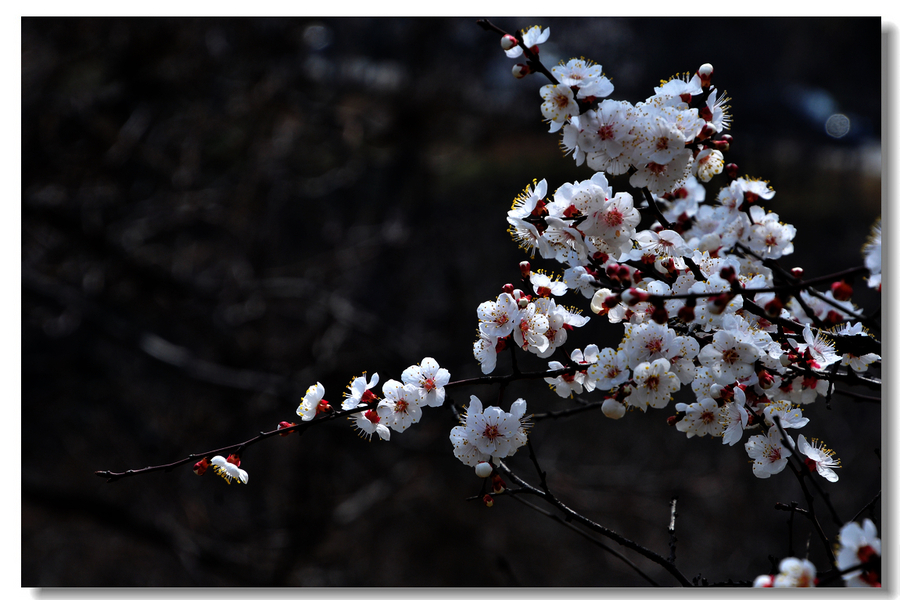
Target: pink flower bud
[766,380]
[613,408]
[201,466]
[508,288]
[841,290]
[284,425]
[484,469]
[660,315]
[488,501]
[519,71]
[773,307]
[705,73]
[731,170]
[632,296]
[508,42]
[525,268]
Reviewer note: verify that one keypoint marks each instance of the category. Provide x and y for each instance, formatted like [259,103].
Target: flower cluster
[696,287]
[688,274]
[488,433]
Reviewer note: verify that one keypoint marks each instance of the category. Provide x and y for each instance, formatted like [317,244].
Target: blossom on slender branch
[368,423]
[430,378]
[531,38]
[769,455]
[792,572]
[359,392]
[819,458]
[402,405]
[489,432]
[229,469]
[310,404]
[859,546]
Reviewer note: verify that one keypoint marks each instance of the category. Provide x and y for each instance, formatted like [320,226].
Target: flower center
[606,132]
[614,218]
[654,345]
[492,432]
[429,384]
[730,356]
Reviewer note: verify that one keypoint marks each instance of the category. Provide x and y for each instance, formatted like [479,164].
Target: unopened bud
[673,420]
[705,73]
[686,313]
[613,408]
[611,301]
[488,501]
[833,318]
[525,268]
[285,425]
[508,42]
[519,71]
[718,303]
[498,485]
[201,466]
[720,145]
[484,469]
[731,169]
[773,307]
[632,296]
[727,273]
[523,301]
[797,272]
[597,302]
[841,290]
[660,315]
[785,360]
[707,132]
[766,380]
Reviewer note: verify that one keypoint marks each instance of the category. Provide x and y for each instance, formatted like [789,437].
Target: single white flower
[430,378]
[401,406]
[360,392]
[310,402]
[795,572]
[858,546]
[768,453]
[369,422]
[819,458]
[228,470]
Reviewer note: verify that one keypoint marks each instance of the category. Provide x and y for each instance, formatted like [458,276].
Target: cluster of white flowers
[858,559]
[683,284]
[487,433]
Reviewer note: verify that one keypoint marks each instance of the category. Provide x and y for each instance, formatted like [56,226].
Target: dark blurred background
[217,213]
